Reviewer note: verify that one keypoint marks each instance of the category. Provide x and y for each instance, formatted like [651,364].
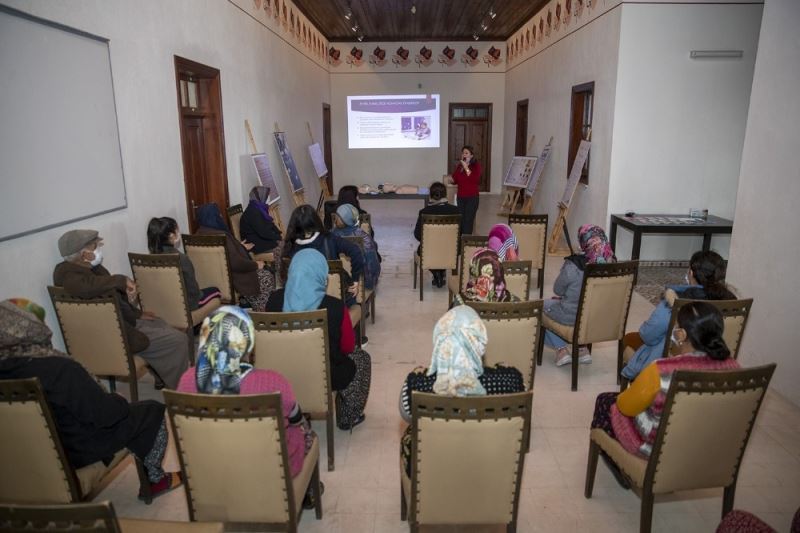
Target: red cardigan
[467,185]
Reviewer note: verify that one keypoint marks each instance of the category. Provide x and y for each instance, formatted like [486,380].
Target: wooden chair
[531,233]
[365,222]
[365,297]
[438,248]
[212,266]
[234,461]
[33,465]
[90,518]
[602,310]
[457,282]
[518,278]
[235,216]
[94,335]
[478,485]
[338,289]
[734,314]
[296,345]
[704,430]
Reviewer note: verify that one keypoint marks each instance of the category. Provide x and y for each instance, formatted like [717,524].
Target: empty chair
[531,232]
[518,278]
[438,249]
[211,263]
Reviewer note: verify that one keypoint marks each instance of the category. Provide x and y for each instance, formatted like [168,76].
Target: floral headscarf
[225,337]
[594,244]
[503,241]
[459,342]
[23,332]
[486,278]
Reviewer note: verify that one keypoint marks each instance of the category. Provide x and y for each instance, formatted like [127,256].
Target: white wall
[679,123]
[266,76]
[764,252]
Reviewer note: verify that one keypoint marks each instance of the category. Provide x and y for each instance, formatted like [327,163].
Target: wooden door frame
[328,145]
[488,164]
[572,149]
[183,65]
[521,103]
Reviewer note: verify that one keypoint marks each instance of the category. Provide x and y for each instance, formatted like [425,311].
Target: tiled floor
[362,494]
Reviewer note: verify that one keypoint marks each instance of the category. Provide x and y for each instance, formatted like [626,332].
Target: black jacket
[254,228]
[433,209]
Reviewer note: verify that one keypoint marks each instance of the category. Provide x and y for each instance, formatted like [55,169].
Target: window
[580,127]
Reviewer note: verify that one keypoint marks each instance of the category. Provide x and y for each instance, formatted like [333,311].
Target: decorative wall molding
[420,56]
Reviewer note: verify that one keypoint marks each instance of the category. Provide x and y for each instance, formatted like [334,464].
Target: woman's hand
[353,289]
[260,264]
[247,245]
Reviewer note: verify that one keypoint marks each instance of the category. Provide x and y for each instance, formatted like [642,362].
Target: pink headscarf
[503,241]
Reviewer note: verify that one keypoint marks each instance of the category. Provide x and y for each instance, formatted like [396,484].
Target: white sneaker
[585,358]
[564,359]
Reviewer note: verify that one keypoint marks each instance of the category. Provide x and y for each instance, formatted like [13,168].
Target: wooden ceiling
[434,20]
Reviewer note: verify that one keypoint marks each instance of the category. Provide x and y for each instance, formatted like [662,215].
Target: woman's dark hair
[704,325]
[304,221]
[438,190]
[708,268]
[471,151]
[348,195]
[158,232]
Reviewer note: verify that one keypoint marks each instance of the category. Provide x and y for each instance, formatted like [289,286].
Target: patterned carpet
[652,279]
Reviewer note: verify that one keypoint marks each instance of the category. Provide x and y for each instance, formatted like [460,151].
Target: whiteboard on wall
[59,140]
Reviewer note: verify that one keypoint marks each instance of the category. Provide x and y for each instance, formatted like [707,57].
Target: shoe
[357,422]
[564,359]
[308,501]
[616,472]
[170,481]
[364,341]
[584,357]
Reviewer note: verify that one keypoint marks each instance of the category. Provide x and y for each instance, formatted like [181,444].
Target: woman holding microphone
[467,176]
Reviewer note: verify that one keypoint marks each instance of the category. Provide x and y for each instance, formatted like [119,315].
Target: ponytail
[704,326]
[708,268]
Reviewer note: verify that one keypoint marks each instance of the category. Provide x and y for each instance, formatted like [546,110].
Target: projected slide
[394,121]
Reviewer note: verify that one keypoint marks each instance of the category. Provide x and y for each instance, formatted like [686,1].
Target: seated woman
[346,225]
[459,342]
[256,225]
[563,307]
[503,241]
[486,281]
[250,279]
[437,205]
[632,417]
[93,425]
[227,339]
[704,281]
[164,237]
[350,367]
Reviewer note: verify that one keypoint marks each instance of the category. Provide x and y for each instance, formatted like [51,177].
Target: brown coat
[243,268]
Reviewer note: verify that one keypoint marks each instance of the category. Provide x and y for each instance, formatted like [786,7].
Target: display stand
[569,192]
[322,172]
[512,195]
[536,179]
[274,208]
[297,193]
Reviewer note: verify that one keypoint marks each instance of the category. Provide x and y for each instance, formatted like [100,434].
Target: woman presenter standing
[467,176]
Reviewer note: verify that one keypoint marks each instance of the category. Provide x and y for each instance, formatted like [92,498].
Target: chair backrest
[704,429]
[518,278]
[211,263]
[75,517]
[93,332]
[33,465]
[514,332]
[469,245]
[336,281]
[479,483]
[734,313]
[233,456]
[439,244]
[605,301]
[235,217]
[531,233]
[358,241]
[296,345]
[161,287]
[365,222]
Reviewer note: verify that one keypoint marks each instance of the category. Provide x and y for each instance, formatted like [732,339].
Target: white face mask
[686,279]
[98,257]
[674,338]
[177,241]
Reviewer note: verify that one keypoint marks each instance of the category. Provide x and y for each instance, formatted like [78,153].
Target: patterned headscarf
[258,198]
[348,214]
[503,241]
[594,244]
[225,337]
[306,282]
[487,281]
[23,332]
[459,342]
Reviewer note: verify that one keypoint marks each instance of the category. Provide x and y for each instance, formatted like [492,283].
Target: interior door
[471,125]
[521,140]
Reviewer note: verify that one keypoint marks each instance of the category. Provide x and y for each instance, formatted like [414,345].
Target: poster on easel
[318,160]
[519,172]
[261,164]
[575,173]
[538,170]
[288,162]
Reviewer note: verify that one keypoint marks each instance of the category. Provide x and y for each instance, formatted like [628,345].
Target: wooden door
[521,140]
[326,144]
[202,136]
[471,125]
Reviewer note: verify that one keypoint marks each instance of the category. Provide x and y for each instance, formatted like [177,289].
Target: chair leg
[575,350]
[329,423]
[511,527]
[623,383]
[540,347]
[415,274]
[133,386]
[112,383]
[620,349]
[317,491]
[420,281]
[541,283]
[144,482]
[646,520]
[403,508]
[727,498]
[372,308]
[591,468]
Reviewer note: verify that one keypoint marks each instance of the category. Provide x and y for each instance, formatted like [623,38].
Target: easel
[527,206]
[563,207]
[324,191]
[274,209]
[299,196]
[511,195]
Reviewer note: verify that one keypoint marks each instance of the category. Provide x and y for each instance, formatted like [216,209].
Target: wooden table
[671,224]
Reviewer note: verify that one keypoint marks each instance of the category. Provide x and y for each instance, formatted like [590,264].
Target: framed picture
[261,164]
[519,172]
[288,162]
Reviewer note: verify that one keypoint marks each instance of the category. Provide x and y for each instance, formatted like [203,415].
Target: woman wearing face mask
[467,175]
[164,237]
[705,280]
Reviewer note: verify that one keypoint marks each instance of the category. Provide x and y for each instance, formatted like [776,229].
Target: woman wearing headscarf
[227,338]
[256,225]
[346,224]
[351,370]
[250,279]
[503,241]
[456,369]
[92,424]
[563,307]
[486,279]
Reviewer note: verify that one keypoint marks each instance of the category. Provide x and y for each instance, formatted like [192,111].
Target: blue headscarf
[209,215]
[307,281]
[225,337]
[459,342]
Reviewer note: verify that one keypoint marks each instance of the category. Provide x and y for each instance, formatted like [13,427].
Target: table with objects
[641,224]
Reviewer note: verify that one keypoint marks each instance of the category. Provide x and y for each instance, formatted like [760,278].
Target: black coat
[433,209]
[254,228]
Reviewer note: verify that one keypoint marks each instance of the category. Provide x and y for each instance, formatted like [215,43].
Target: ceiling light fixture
[360,37]
[492,13]
[354,27]
[475,36]
[348,14]
[484,26]
[413,9]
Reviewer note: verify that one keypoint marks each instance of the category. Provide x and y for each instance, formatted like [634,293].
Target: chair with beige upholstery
[531,233]
[212,266]
[518,278]
[234,461]
[602,309]
[479,485]
[296,345]
[365,297]
[438,248]
[162,290]
[734,314]
[338,289]
[457,282]
[704,430]
[33,464]
[90,518]
[235,216]
[93,333]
